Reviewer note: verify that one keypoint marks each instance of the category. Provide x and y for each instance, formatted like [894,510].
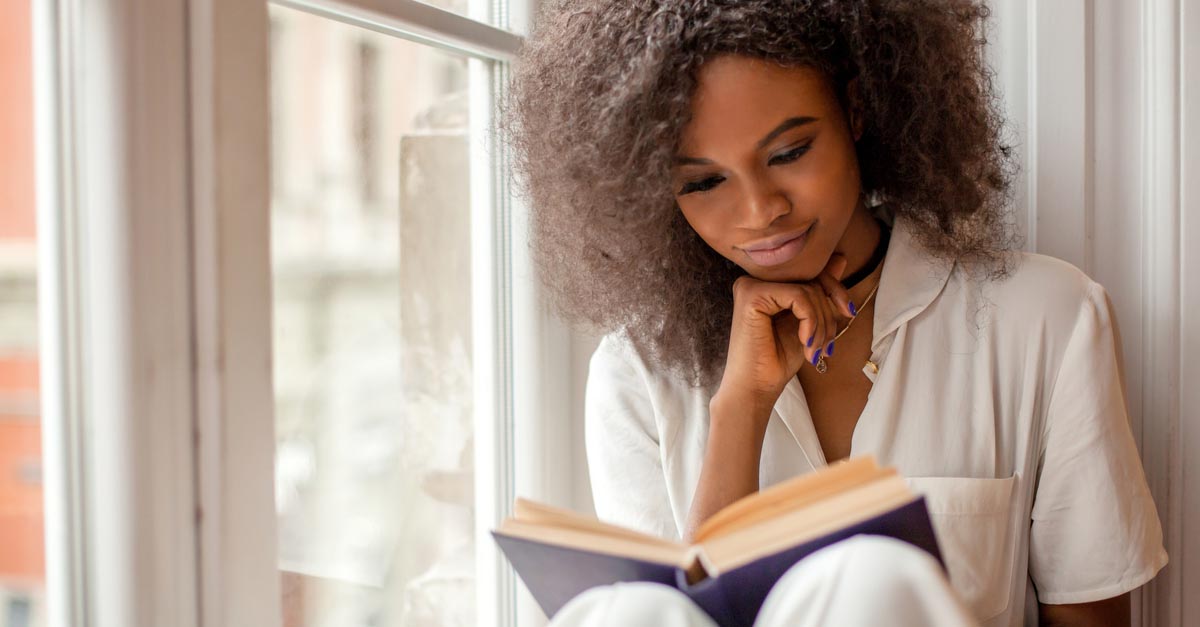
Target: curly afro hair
[602,93]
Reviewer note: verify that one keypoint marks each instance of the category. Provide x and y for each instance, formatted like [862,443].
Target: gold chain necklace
[821,366]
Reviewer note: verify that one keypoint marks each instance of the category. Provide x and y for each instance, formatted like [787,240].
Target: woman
[789,219]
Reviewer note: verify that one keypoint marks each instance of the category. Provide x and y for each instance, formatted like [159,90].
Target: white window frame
[112,188]
[155,301]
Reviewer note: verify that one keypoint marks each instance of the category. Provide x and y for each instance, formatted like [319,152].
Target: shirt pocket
[972,519]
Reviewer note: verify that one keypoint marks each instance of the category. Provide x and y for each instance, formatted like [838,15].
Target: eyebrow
[783,127]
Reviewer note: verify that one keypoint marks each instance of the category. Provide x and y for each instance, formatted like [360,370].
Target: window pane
[474,9]
[372,327]
[22,562]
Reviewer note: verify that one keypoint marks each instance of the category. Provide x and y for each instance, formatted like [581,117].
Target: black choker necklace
[885,236]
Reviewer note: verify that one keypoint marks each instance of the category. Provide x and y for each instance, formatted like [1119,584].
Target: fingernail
[829,351]
[810,339]
[853,309]
[816,356]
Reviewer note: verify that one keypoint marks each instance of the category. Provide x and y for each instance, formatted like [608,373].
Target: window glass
[474,9]
[372,327]
[22,562]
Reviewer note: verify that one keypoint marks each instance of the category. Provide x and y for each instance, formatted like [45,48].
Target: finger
[831,316]
[836,266]
[819,300]
[837,292]
[815,296]
[830,279]
[806,333]
[828,320]
[812,321]
[807,302]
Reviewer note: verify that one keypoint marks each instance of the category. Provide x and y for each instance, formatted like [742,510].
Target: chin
[796,271]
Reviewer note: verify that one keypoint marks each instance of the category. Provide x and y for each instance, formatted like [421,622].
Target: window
[345,329]
[371,264]
[22,563]
[393,299]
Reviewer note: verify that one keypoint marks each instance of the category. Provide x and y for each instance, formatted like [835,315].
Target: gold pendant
[821,367]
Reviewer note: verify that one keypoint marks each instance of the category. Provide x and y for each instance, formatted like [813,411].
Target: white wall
[1093,89]
[1186,518]
[1109,132]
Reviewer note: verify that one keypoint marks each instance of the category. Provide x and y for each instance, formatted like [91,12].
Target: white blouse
[1001,401]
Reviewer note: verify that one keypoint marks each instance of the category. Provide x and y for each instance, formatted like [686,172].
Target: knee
[859,581]
[889,555]
[881,567]
[636,604]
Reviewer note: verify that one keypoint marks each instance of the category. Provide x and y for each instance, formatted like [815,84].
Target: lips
[777,250]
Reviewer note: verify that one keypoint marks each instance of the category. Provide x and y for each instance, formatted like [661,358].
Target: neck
[857,245]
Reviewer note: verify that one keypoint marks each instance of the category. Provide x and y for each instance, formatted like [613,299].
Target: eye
[708,183]
[790,155]
[703,185]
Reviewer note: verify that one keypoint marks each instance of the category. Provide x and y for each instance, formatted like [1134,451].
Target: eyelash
[706,184]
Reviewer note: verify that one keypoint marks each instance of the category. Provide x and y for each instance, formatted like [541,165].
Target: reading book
[736,555]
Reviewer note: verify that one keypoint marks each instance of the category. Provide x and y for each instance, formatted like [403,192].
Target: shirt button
[870,370]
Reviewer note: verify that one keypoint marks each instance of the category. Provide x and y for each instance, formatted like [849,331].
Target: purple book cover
[555,574]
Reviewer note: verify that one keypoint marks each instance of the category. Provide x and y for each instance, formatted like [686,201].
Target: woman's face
[766,171]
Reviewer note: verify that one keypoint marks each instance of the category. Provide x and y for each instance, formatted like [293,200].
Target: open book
[737,554]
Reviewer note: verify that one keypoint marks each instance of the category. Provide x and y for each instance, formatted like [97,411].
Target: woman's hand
[772,326]
[778,326]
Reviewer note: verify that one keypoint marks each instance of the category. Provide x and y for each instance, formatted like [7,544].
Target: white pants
[864,580]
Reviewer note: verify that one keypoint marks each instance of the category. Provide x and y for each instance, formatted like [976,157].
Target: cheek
[829,176]
[843,167]
[827,189]
[708,225]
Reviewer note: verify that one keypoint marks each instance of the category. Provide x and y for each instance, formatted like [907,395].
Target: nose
[764,203]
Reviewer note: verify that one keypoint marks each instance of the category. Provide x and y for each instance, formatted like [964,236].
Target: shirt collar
[911,279]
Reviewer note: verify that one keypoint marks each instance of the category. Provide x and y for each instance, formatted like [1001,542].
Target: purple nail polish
[853,309]
[810,339]
[816,356]
[829,351]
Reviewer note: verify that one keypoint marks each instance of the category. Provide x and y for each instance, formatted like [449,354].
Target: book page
[782,507]
[532,512]
[775,534]
[792,494]
[671,554]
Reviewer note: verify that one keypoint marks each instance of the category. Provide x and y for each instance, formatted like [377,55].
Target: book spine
[712,597]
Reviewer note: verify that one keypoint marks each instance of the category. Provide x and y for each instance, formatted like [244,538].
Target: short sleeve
[1094,533]
[624,459]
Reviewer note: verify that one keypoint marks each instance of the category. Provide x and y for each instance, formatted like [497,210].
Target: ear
[854,109]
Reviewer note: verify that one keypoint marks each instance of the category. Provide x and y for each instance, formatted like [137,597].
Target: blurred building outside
[22,563]
[372,327]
